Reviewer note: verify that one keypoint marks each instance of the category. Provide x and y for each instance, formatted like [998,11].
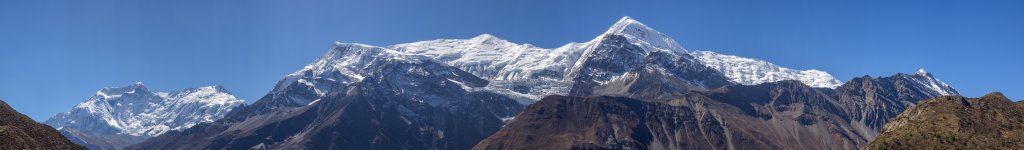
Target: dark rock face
[954,122]
[874,101]
[401,105]
[779,115]
[767,116]
[560,122]
[18,131]
[655,74]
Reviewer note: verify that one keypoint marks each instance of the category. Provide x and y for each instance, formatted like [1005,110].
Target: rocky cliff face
[18,131]
[775,115]
[766,116]
[616,67]
[955,122]
[874,101]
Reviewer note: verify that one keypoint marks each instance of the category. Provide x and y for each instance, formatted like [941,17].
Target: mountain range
[631,87]
[116,117]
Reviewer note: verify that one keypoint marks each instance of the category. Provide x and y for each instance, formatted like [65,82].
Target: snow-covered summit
[646,37]
[921,72]
[924,78]
[753,71]
[136,111]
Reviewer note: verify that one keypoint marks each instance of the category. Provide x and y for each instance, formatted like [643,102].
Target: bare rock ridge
[18,131]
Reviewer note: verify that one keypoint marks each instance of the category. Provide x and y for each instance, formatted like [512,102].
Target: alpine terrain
[954,122]
[120,116]
[18,131]
[630,87]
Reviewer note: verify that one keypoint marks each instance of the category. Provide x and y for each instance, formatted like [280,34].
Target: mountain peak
[624,23]
[626,20]
[926,79]
[486,36]
[137,86]
[995,95]
[646,37]
[921,72]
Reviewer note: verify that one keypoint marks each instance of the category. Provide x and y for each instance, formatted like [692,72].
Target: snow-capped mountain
[351,94]
[118,116]
[522,70]
[924,78]
[749,71]
[450,93]
[529,72]
[338,68]
[646,37]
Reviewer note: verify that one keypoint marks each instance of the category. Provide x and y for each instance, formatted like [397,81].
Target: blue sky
[54,54]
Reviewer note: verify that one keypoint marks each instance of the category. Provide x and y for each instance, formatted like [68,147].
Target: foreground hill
[18,131]
[955,122]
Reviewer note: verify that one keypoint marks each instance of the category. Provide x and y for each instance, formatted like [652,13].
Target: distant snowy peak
[134,110]
[931,83]
[750,71]
[646,37]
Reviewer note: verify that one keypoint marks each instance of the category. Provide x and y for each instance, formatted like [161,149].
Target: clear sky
[55,54]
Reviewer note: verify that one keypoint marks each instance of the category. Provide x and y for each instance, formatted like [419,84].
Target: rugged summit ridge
[118,116]
[646,37]
[933,84]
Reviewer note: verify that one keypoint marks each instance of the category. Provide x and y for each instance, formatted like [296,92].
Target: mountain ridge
[18,131]
[329,96]
[118,116]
